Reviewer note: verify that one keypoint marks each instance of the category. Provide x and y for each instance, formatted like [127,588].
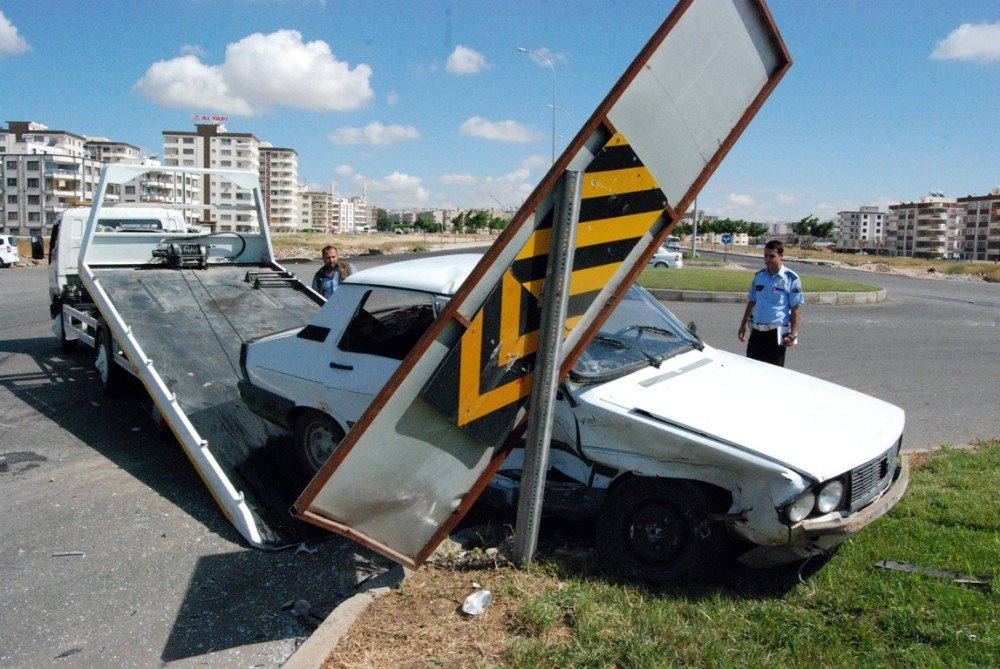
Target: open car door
[431,440]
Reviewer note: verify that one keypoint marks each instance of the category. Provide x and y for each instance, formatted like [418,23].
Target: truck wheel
[657,530]
[67,345]
[317,436]
[112,376]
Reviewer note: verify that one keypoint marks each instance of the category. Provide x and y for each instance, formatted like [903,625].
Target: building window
[32,183]
[11,215]
[11,181]
[188,152]
[11,164]
[130,190]
[33,199]
[189,140]
[11,199]
[32,165]
[34,217]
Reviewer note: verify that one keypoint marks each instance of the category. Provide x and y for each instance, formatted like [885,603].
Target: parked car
[665,257]
[681,451]
[8,251]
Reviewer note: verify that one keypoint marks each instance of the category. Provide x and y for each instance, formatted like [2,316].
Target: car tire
[317,436]
[658,530]
[113,378]
[67,345]
[3,264]
[661,265]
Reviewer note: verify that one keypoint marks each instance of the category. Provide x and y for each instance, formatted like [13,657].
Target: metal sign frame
[525,241]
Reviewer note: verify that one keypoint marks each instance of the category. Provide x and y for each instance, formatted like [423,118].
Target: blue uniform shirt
[774,297]
[326,285]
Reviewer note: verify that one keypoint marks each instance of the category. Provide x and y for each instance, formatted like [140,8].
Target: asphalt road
[113,553]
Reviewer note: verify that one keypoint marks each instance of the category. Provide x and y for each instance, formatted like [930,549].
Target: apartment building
[212,146]
[279,173]
[42,172]
[982,226]
[351,214]
[862,229]
[151,187]
[314,210]
[931,228]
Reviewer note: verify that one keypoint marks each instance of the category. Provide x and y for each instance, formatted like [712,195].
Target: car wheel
[113,377]
[317,436]
[661,265]
[67,345]
[658,530]
[2,263]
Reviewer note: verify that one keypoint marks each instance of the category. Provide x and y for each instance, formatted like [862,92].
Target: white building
[279,174]
[862,229]
[314,210]
[931,228]
[211,146]
[982,226]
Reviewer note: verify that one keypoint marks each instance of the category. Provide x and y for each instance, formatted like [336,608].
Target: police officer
[772,311]
[334,270]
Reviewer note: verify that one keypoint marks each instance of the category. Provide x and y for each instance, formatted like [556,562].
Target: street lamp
[551,67]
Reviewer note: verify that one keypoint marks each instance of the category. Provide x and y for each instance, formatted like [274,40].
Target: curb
[832,299]
[315,649]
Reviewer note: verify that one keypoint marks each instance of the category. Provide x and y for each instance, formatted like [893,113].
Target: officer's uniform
[774,297]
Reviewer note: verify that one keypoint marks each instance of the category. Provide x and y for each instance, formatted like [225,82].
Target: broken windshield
[640,331]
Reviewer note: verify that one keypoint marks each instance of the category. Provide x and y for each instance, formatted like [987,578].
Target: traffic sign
[727,238]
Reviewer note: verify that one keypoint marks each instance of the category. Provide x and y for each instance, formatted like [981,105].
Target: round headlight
[800,508]
[829,497]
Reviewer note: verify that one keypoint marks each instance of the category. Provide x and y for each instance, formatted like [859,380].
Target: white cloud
[740,200]
[786,198]
[394,191]
[975,42]
[464,60]
[392,98]
[373,134]
[456,179]
[536,162]
[344,171]
[10,41]
[260,71]
[193,50]
[498,131]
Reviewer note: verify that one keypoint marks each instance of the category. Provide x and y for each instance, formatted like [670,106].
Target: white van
[8,251]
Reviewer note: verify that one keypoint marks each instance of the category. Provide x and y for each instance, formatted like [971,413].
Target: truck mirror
[37,247]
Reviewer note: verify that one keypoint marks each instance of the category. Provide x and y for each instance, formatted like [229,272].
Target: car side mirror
[692,327]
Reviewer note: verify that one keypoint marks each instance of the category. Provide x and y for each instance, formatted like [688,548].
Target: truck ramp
[190,324]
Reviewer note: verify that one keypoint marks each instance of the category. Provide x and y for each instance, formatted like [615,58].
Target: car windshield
[640,331]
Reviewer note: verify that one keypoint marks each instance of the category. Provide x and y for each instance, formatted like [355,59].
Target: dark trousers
[764,346]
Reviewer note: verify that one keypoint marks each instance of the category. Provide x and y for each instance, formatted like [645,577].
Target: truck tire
[317,436]
[658,530]
[113,378]
[67,345]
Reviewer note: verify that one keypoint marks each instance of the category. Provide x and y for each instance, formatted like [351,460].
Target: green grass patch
[733,281]
[849,614]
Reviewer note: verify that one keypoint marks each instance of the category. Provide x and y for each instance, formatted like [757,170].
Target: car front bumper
[821,535]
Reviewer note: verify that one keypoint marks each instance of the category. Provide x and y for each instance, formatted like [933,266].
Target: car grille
[872,478]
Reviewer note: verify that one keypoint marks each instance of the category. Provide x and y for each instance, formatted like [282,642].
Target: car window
[389,323]
[639,332]
[129,225]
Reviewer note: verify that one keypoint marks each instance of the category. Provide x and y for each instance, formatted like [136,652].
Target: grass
[720,280]
[562,612]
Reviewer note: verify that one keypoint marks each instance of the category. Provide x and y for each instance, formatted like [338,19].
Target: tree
[809,226]
[382,222]
[683,229]
[756,230]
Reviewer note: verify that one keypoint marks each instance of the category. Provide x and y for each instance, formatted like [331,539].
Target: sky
[429,103]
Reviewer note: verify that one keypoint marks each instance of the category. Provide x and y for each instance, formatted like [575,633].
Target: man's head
[330,256]
[774,251]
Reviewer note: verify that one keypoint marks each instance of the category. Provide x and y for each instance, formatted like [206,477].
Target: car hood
[813,426]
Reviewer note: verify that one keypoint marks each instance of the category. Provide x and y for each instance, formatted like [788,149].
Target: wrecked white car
[675,447]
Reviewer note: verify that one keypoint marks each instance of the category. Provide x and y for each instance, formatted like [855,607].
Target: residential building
[931,228]
[150,187]
[42,172]
[212,146]
[314,210]
[982,226]
[279,173]
[862,229]
[351,214]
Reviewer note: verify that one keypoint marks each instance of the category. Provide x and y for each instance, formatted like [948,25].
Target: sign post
[555,296]
[726,238]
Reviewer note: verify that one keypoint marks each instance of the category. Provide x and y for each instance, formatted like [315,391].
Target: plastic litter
[305,549]
[477,602]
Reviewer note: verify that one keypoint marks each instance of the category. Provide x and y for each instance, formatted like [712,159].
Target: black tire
[657,530]
[317,436]
[661,265]
[2,264]
[67,345]
[113,378]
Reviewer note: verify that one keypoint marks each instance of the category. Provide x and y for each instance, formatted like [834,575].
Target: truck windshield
[129,225]
[639,332]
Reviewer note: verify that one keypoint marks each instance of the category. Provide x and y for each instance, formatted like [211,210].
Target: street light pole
[553,68]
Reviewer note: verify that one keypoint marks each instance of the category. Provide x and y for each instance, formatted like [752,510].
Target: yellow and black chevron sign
[484,378]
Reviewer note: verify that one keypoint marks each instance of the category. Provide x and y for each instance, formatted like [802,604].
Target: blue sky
[430,104]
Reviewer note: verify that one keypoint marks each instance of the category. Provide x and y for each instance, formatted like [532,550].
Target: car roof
[437,274]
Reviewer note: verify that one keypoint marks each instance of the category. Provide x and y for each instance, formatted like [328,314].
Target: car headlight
[800,508]
[829,497]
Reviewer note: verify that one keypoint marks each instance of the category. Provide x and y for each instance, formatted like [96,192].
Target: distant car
[667,257]
[670,476]
[8,251]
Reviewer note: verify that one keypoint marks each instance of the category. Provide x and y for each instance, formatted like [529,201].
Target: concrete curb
[314,650]
[837,299]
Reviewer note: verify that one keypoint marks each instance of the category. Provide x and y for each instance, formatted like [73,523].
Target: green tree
[683,229]
[382,220]
[756,230]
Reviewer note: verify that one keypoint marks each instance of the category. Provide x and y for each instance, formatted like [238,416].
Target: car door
[384,328]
